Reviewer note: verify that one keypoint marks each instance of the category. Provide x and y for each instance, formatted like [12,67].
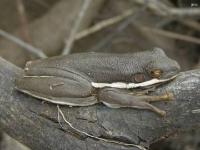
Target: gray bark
[35,124]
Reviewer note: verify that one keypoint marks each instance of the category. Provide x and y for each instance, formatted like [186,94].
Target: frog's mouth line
[122,85]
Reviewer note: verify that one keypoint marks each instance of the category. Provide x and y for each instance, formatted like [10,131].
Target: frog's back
[109,67]
[100,67]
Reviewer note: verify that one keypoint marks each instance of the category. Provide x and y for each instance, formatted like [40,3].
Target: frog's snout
[170,74]
[177,66]
[172,70]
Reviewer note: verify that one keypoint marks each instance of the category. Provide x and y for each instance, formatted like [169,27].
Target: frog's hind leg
[116,98]
[155,98]
[70,89]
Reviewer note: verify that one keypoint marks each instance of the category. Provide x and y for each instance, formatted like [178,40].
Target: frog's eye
[156,73]
[139,77]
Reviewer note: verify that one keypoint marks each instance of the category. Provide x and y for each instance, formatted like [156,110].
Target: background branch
[49,31]
[23,21]
[170,34]
[162,9]
[38,52]
[35,123]
[69,42]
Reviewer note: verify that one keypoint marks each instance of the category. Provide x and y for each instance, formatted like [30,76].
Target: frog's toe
[163,113]
[169,96]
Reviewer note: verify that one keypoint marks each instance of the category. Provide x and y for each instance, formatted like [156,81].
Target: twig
[119,29]
[23,21]
[184,12]
[23,44]
[170,34]
[103,24]
[70,40]
[191,23]
[188,22]
[108,22]
[95,137]
[163,10]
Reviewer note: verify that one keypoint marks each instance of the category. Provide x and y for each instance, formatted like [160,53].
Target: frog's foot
[116,98]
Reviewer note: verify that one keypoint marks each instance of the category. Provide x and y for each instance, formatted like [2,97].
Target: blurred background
[36,29]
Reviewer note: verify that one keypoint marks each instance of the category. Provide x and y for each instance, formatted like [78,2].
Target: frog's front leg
[116,98]
[63,86]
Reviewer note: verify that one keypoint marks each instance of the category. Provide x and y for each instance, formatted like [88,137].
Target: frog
[76,79]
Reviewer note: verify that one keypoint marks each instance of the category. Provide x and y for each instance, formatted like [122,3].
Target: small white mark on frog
[55,85]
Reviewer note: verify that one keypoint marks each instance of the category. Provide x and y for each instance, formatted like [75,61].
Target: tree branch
[79,19]
[162,9]
[49,31]
[35,123]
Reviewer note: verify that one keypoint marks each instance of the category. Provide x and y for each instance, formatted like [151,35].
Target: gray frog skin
[66,80]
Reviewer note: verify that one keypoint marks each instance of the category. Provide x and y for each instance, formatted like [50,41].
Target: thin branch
[171,34]
[185,12]
[163,10]
[191,23]
[180,14]
[79,19]
[23,21]
[108,22]
[103,24]
[23,44]
[188,22]
[119,29]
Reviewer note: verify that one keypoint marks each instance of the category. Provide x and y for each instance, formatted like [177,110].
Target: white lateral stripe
[38,76]
[122,85]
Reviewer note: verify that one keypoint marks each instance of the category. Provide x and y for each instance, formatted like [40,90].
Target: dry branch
[158,7]
[38,52]
[35,123]
[191,23]
[170,34]
[162,9]
[50,30]
[79,19]
[103,24]
[23,21]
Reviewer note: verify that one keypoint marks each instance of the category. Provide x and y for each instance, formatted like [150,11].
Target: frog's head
[160,66]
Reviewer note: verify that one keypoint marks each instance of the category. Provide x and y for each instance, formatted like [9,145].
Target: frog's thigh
[116,98]
[74,91]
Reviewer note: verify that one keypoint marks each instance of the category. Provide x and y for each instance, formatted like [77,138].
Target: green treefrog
[85,79]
